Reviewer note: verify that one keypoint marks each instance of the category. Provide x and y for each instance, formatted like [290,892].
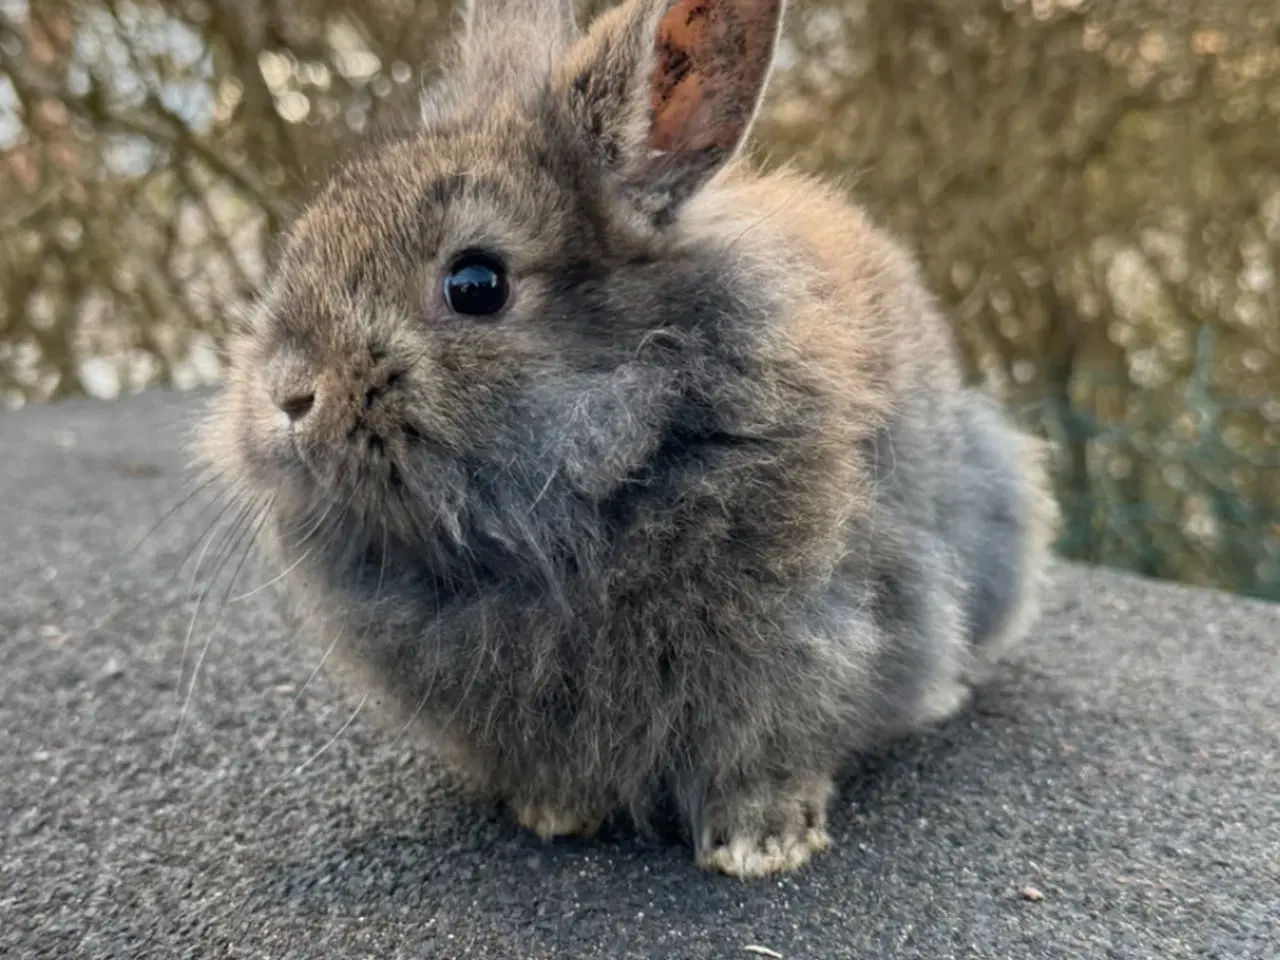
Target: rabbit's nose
[291,384]
[297,405]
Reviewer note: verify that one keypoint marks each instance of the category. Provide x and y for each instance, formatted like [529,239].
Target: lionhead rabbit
[625,476]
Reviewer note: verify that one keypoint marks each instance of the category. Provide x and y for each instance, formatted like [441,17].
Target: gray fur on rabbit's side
[702,510]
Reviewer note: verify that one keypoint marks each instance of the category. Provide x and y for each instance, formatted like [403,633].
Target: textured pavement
[1126,769]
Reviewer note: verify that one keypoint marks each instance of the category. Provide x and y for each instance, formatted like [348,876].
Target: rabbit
[626,476]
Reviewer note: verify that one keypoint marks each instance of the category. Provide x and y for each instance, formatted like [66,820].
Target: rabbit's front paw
[945,698]
[547,820]
[774,830]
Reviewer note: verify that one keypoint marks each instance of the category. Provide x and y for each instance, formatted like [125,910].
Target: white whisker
[195,614]
[332,740]
[297,698]
[545,487]
[252,531]
[277,578]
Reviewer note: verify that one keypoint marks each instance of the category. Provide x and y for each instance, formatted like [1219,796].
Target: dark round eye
[476,285]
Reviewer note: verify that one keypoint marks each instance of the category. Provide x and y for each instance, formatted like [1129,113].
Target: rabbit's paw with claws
[776,830]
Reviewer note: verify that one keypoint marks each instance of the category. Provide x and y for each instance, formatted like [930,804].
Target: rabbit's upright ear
[483,18]
[501,38]
[667,90]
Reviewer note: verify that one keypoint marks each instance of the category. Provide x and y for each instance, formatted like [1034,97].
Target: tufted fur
[704,511]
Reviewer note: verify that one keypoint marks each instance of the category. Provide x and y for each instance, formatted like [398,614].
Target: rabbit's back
[852,303]
[942,501]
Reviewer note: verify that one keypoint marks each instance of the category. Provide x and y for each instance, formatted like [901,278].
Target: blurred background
[1093,187]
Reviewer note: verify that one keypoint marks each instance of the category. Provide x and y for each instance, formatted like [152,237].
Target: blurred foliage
[1091,186]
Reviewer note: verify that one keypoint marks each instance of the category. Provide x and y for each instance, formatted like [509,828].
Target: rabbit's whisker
[247,536]
[332,740]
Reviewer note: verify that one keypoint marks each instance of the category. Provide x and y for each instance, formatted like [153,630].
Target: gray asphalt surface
[1127,768]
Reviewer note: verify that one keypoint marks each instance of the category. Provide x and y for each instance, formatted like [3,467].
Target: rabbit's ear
[483,17]
[502,37]
[669,89]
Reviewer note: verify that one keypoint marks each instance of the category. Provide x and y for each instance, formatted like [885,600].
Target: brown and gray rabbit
[625,475]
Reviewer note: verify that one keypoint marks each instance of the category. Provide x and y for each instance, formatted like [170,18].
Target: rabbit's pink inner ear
[711,60]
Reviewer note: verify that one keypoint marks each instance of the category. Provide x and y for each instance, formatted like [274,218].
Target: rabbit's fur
[707,509]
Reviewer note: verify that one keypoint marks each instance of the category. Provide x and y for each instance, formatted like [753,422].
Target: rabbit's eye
[476,284]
